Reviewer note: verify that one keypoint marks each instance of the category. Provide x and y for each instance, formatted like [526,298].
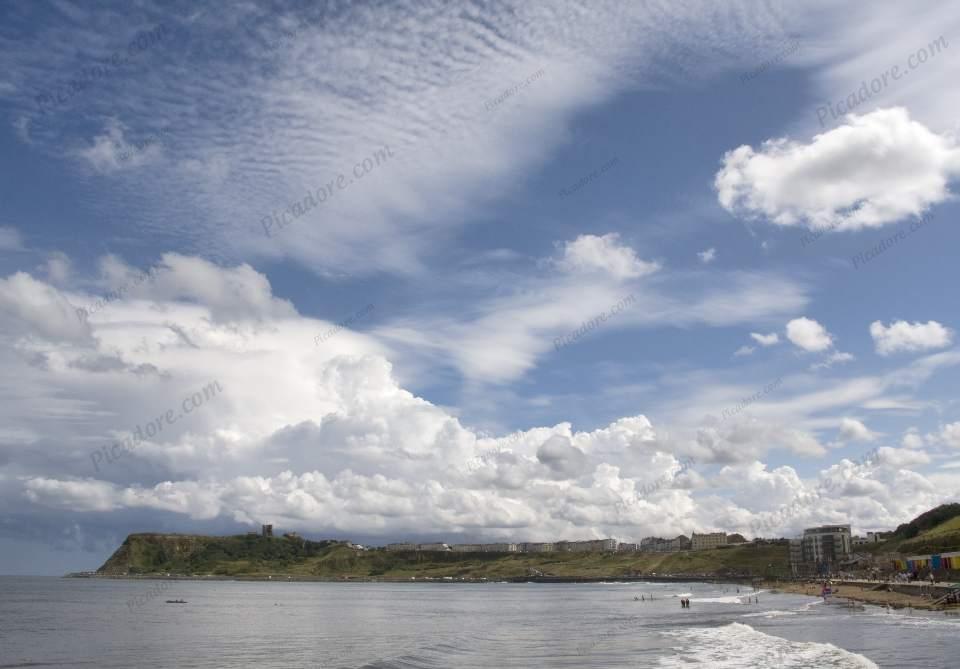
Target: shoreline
[850,592]
[859,593]
[267,578]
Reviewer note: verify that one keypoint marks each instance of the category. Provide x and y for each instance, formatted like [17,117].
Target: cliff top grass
[257,556]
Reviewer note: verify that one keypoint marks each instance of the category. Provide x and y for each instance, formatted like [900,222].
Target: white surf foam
[728,599]
[769,614]
[739,645]
[902,618]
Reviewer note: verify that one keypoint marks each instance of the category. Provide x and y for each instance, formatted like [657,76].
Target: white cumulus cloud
[878,168]
[950,434]
[766,339]
[910,337]
[809,335]
[852,429]
[604,254]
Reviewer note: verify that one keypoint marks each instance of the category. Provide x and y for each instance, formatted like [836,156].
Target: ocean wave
[769,614]
[903,619]
[723,599]
[739,645]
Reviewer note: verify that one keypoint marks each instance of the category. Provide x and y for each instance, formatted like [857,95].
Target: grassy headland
[259,557]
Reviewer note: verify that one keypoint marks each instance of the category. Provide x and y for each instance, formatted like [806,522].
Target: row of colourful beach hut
[936,562]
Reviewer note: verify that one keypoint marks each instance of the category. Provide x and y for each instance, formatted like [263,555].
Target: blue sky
[528,169]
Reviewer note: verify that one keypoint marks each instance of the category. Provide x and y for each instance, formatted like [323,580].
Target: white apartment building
[821,549]
[433,547]
[701,542]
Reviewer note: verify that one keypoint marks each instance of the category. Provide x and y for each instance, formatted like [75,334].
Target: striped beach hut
[948,561]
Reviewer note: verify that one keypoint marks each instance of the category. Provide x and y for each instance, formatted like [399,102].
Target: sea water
[55,622]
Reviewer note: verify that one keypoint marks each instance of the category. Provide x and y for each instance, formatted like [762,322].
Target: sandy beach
[861,593]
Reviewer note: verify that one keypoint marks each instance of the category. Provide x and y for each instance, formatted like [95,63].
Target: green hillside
[938,539]
[927,521]
[936,531]
[256,556]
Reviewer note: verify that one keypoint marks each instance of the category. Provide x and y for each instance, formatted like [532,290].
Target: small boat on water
[176,601]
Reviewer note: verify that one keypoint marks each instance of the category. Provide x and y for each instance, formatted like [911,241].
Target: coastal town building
[700,542]
[401,546]
[588,546]
[796,557]
[433,547]
[591,546]
[658,545]
[536,547]
[820,550]
[485,548]
[500,548]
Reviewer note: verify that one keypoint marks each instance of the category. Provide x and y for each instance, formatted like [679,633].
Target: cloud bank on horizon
[698,326]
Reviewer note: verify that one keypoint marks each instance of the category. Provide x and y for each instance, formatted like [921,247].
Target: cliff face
[151,553]
[196,554]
